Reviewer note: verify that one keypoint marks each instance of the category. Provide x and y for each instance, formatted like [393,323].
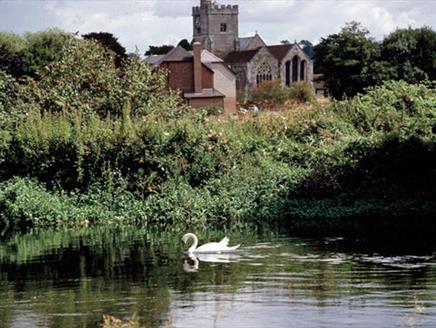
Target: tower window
[223,27]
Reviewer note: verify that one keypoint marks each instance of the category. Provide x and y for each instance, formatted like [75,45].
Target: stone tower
[216,27]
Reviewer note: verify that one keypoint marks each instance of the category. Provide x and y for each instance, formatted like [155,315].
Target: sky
[139,23]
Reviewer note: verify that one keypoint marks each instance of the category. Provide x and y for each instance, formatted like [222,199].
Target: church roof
[241,56]
[251,43]
[178,54]
[208,57]
[244,43]
[281,50]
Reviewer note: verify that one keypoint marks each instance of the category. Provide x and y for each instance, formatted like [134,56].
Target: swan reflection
[193,263]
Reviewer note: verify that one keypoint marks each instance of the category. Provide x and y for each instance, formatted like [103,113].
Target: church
[216,27]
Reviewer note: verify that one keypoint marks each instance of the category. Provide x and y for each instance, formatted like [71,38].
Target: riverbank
[321,166]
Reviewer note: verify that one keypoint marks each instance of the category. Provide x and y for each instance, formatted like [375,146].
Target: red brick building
[193,78]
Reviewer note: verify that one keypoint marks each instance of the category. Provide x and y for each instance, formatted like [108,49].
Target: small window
[223,27]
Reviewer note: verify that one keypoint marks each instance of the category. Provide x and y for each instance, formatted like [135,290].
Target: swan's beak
[184,239]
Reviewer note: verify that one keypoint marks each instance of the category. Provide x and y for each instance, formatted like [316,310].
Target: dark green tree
[347,60]
[159,50]
[110,42]
[308,48]
[185,44]
[411,54]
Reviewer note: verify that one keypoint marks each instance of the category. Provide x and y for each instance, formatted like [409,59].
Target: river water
[74,278]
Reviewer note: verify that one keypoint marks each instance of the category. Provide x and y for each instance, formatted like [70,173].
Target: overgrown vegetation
[272,94]
[91,143]
[352,60]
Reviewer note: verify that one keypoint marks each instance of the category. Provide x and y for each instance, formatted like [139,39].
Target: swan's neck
[194,244]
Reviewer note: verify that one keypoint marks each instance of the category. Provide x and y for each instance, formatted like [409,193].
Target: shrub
[301,92]
[269,94]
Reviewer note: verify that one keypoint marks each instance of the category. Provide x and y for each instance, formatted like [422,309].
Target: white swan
[221,247]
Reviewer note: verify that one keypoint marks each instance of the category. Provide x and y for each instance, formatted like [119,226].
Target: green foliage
[159,50]
[301,92]
[110,42]
[43,48]
[13,42]
[10,62]
[351,61]
[269,94]
[31,53]
[86,79]
[185,44]
[89,143]
[345,60]
[411,53]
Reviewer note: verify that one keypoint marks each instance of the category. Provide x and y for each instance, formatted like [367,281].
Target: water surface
[71,279]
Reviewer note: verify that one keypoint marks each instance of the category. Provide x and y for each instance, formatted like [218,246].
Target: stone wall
[296,51]
[207,21]
[263,56]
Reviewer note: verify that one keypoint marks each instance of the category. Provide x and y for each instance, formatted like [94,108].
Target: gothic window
[223,27]
[264,73]
[303,70]
[295,65]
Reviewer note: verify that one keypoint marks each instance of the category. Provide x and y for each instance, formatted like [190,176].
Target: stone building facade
[216,28]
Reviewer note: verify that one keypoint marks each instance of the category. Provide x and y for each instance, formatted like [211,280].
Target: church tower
[216,27]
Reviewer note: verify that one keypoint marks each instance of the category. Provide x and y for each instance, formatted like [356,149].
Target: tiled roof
[280,51]
[244,43]
[241,56]
[154,59]
[178,54]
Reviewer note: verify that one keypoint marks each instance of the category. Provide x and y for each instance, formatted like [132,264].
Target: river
[74,278]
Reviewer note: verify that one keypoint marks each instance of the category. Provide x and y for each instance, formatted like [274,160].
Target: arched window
[288,73]
[303,70]
[264,73]
[295,64]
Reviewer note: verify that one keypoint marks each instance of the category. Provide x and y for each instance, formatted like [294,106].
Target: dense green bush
[301,91]
[269,94]
[155,165]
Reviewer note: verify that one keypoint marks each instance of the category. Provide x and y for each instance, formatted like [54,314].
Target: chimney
[198,88]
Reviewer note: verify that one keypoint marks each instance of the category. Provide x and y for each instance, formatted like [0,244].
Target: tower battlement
[216,26]
[217,9]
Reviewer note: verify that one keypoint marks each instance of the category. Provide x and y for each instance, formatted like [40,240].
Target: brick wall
[181,76]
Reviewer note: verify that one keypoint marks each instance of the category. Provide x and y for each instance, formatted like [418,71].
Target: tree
[110,42]
[411,53]
[346,59]
[308,48]
[185,44]
[159,50]
[285,42]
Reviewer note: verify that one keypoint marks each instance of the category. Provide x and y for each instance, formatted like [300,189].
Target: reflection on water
[72,279]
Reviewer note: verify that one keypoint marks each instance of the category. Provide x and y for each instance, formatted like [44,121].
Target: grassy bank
[370,157]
